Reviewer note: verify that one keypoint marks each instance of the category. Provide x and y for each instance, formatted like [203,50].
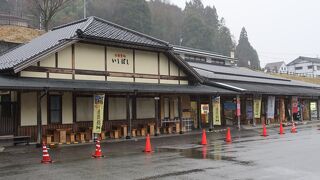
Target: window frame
[49,108]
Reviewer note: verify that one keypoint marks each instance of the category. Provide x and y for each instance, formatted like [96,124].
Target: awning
[264,88]
[21,83]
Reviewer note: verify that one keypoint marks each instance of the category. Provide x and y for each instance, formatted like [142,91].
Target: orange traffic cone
[45,155]
[281,131]
[228,136]
[98,153]
[204,137]
[264,131]
[293,129]
[148,148]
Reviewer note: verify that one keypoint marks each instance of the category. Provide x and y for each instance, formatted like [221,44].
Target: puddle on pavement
[213,152]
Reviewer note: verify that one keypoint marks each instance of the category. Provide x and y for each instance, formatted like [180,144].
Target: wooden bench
[21,139]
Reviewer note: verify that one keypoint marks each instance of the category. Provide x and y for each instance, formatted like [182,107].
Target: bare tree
[47,9]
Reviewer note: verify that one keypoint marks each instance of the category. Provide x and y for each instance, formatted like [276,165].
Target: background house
[305,66]
[276,67]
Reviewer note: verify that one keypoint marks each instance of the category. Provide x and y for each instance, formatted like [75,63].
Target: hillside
[17,34]
[299,78]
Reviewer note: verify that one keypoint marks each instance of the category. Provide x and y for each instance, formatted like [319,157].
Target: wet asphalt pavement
[249,156]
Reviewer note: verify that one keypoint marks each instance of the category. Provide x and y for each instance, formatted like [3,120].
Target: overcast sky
[280,30]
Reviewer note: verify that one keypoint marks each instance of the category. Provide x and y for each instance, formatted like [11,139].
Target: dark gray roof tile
[91,27]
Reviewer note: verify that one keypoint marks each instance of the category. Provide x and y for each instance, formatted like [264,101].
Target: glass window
[55,109]
[117,108]
[145,108]
[84,108]
[298,68]
[310,67]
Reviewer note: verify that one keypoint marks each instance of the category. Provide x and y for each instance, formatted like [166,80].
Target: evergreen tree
[134,14]
[246,54]
[166,21]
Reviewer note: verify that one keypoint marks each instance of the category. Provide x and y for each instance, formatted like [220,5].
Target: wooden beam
[39,119]
[73,60]
[180,113]
[210,113]
[199,112]
[128,116]
[134,65]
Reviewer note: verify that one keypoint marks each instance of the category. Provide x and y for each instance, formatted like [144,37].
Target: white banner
[271,106]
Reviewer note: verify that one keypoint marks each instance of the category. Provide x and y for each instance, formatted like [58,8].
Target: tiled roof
[91,27]
[243,75]
[302,58]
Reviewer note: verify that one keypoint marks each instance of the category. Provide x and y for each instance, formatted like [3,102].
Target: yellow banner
[98,108]
[216,111]
[257,107]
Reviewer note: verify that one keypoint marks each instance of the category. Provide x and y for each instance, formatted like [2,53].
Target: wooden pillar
[199,112]
[157,114]
[238,109]
[210,114]
[74,112]
[39,120]
[128,116]
[180,113]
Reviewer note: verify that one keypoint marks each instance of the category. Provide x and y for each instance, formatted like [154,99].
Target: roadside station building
[49,87]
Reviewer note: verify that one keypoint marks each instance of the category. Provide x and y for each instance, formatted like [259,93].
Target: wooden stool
[124,130]
[143,131]
[115,134]
[170,128]
[103,135]
[151,129]
[133,132]
[49,138]
[177,127]
[138,132]
[80,137]
[72,137]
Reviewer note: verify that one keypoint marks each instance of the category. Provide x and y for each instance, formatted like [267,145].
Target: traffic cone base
[228,136]
[148,148]
[293,129]
[98,153]
[264,131]
[281,131]
[204,137]
[45,155]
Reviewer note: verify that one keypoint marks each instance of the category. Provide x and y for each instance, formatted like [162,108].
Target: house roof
[272,89]
[274,65]
[58,37]
[302,59]
[249,81]
[22,83]
[199,52]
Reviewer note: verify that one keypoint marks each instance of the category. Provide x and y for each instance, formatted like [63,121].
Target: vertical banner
[249,109]
[257,107]
[216,111]
[238,106]
[271,106]
[98,108]
[294,104]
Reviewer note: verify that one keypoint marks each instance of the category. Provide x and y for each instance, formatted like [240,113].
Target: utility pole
[84,9]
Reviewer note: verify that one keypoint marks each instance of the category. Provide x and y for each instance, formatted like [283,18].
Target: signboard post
[256,109]
[98,108]
[216,111]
